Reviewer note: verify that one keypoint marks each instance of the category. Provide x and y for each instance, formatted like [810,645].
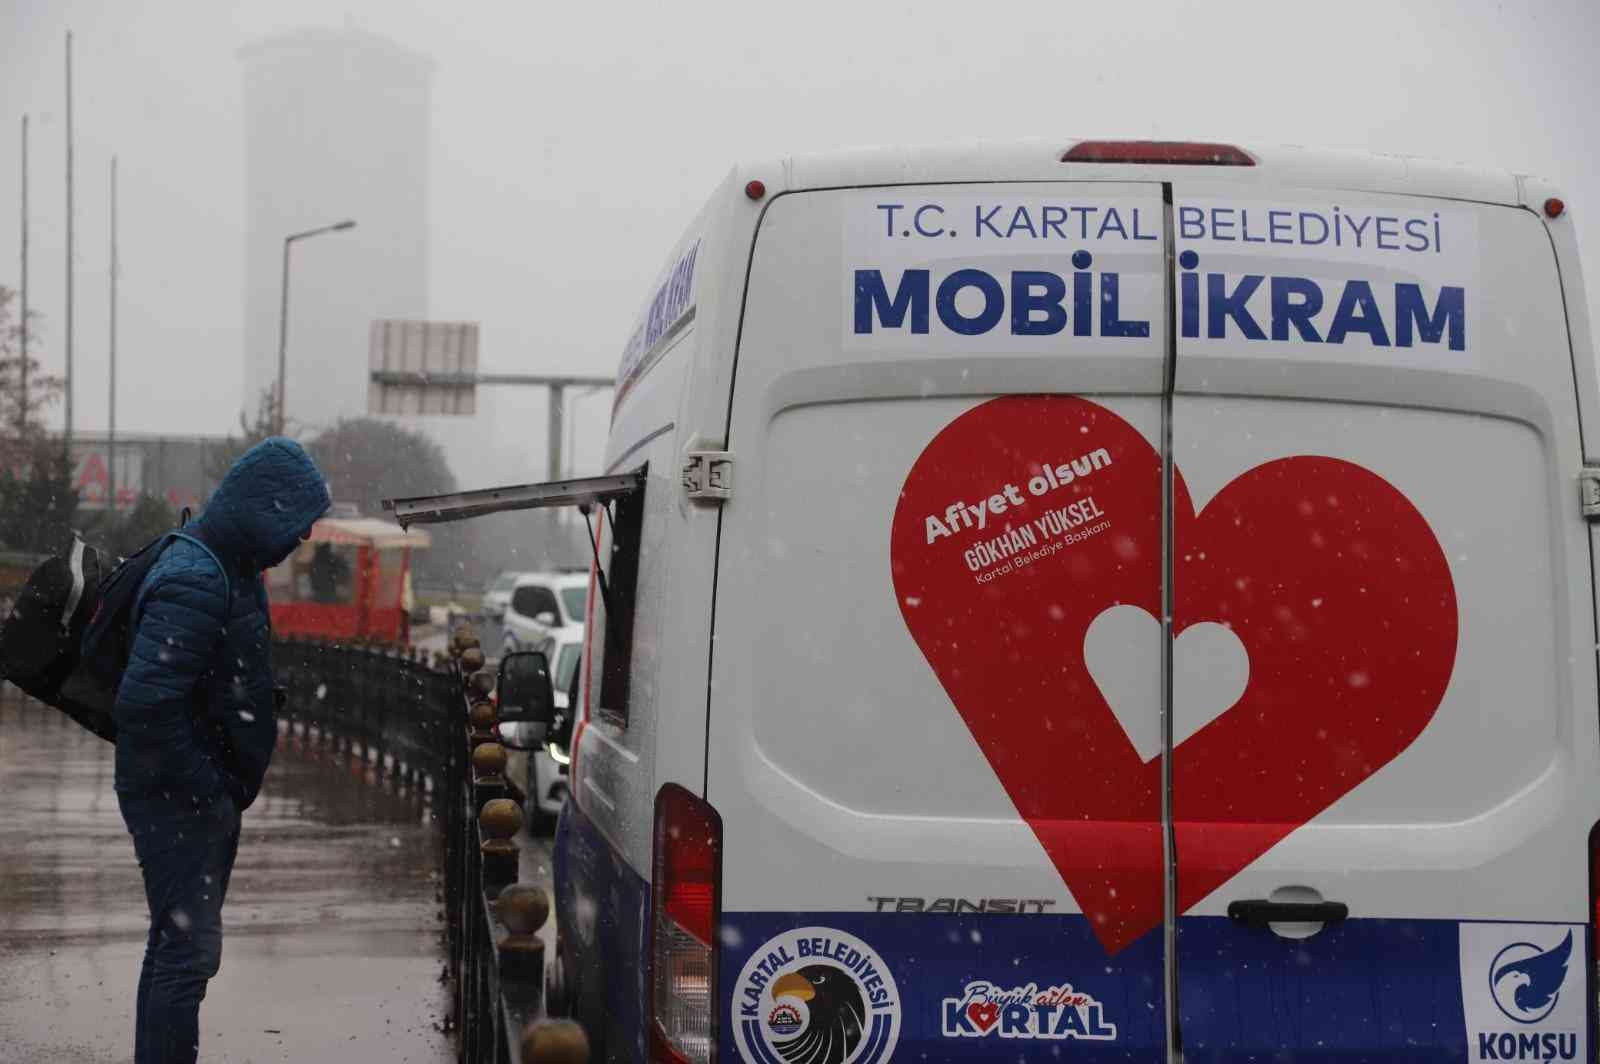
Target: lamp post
[283,309]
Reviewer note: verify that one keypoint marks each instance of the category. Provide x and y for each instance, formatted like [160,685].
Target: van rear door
[1383,782]
[948,485]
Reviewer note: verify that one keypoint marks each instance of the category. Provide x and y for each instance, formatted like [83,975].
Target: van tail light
[1170,152]
[685,908]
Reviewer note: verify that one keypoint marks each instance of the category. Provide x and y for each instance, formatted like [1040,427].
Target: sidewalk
[331,948]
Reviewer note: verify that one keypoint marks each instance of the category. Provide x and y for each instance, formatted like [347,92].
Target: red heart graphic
[985,1016]
[1332,581]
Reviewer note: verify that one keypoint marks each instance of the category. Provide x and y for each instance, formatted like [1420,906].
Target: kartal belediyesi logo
[816,995]
[1526,980]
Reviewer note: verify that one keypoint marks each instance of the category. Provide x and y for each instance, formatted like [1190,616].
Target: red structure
[350,579]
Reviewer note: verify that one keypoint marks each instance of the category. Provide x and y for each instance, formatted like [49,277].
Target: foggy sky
[573,142]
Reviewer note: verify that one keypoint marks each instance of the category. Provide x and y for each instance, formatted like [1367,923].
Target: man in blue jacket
[196,724]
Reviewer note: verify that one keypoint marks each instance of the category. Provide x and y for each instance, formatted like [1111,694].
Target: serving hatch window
[625,525]
[617,529]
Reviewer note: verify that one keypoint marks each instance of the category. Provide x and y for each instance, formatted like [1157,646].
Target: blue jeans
[186,852]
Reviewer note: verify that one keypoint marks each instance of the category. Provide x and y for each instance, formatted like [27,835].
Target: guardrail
[432,724]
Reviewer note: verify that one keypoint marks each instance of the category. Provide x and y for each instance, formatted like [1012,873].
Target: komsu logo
[985,1008]
[1526,981]
[815,996]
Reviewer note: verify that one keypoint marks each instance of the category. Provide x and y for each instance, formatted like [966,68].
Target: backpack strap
[227,584]
[75,566]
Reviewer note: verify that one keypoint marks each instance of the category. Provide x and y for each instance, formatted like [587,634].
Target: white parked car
[539,604]
[546,780]
[497,596]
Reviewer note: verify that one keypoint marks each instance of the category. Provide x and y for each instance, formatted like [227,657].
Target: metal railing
[431,724]
[390,707]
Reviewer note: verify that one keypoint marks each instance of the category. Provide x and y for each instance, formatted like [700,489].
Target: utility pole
[22,391]
[111,436]
[68,435]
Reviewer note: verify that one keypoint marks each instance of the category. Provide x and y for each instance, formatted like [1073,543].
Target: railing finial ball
[488,759]
[550,1041]
[500,818]
[483,715]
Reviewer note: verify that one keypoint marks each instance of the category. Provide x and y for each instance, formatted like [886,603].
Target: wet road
[332,927]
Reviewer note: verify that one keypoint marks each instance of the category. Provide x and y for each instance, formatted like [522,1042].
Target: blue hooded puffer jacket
[195,714]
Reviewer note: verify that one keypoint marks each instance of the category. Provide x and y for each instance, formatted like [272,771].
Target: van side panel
[624,752]
[603,844]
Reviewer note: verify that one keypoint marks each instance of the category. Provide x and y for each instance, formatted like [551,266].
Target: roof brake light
[1169,152]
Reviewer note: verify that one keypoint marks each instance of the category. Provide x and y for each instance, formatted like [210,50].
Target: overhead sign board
[420,350]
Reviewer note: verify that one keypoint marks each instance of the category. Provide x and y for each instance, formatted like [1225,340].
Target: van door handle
[1258,912]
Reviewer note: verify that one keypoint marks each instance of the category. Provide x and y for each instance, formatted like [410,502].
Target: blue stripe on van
[1362,989]
[933,957]
[1385,988]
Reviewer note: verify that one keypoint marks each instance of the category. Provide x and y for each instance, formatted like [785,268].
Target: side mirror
[525,693]
[546,618]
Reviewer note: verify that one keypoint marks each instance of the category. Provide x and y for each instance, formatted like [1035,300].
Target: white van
[1115,600]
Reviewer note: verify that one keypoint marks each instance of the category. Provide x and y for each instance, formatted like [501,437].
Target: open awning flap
[458,506]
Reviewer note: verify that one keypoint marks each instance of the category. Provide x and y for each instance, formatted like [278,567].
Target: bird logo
[836,1015]
[1526,980]
[815,995]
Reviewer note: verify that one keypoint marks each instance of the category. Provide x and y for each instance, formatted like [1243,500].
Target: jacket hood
[268,500]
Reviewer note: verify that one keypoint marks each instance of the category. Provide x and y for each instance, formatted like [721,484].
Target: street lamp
[283,308]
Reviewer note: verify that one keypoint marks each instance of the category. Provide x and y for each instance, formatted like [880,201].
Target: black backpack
[67,639]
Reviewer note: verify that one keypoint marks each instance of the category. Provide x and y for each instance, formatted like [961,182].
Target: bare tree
[37,500]
[25,391]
